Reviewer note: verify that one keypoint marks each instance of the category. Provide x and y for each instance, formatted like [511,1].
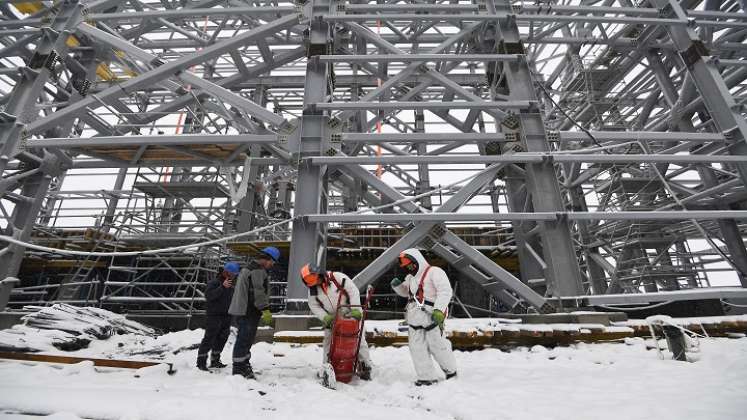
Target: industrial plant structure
[554,155]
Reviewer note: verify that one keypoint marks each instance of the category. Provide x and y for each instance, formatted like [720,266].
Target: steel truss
[606,138]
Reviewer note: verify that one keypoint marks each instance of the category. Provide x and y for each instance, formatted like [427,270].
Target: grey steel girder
[705,74]
[19,111]
[162,72]
[308,240]
[474,263]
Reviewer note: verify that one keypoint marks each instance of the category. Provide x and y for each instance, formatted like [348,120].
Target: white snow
[482,325]
[704,320]
[586,381]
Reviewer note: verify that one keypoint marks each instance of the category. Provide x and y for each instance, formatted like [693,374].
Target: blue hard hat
[232,267]
[271,252]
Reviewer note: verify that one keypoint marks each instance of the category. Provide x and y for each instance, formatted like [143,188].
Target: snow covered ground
[586,381]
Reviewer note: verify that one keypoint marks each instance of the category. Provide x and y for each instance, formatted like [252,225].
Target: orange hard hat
[311,275]
[404,260]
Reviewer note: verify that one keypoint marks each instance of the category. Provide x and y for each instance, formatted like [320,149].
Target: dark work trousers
[242,349]
[217,329]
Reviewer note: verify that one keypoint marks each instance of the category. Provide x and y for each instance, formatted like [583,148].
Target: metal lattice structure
[603,141]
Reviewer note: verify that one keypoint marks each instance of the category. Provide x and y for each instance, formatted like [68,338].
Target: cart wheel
[328,376]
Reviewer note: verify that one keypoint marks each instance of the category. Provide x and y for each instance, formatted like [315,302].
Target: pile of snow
[66,327]
[608,381]
[96,322]
[480,326]
[30,340]
[700,320]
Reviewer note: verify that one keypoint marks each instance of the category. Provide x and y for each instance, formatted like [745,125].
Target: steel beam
[19,111]
[409,58]
[157,140]
[398,106]
[208,87]
[530,157]
[705,73]
[161,72]
[442,215]
[495,282]
[308,239]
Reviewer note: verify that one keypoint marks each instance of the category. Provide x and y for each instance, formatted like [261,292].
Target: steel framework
[603,140]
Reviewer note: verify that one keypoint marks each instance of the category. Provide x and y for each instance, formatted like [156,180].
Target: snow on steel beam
[643,298]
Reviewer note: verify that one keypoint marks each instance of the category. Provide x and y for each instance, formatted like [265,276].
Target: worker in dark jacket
[218,296]
[250,304]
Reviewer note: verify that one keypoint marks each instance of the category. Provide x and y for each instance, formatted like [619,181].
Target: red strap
[340,289]
[420,294]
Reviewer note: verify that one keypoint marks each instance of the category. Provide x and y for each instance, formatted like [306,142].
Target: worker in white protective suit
[429,292]
[327,291]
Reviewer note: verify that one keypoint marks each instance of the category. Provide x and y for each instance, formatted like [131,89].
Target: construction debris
[97,322]
[67,328]
[21,338]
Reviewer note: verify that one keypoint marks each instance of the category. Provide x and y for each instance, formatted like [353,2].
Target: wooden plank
[49,358]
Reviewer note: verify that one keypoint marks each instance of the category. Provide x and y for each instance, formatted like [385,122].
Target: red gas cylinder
[344,347]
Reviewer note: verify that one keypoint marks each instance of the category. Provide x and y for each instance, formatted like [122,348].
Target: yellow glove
[356,313]
[267,317]
[438,317]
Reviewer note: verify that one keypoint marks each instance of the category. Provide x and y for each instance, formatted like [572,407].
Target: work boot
[202,363]
[243,369]
[216,363]
[425,382]
[450,375]
[364,371]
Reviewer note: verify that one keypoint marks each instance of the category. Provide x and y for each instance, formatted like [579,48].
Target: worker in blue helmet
[218,295]
[250,306]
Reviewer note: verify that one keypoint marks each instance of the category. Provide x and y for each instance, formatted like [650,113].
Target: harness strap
[340,291]
[425,302]
[420,327]
[420,293]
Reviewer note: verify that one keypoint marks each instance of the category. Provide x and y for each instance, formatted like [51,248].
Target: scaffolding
[553,154]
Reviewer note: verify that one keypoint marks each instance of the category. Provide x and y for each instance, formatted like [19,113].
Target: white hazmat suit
[324,302]
[425,338]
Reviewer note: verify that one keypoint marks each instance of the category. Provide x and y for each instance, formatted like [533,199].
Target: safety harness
[419,297]
[419,300]
[340,291]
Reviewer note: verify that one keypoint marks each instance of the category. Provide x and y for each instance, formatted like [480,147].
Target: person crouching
[218,296]
[327,291]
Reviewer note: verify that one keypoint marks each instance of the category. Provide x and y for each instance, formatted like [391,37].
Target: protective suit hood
[419,258]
